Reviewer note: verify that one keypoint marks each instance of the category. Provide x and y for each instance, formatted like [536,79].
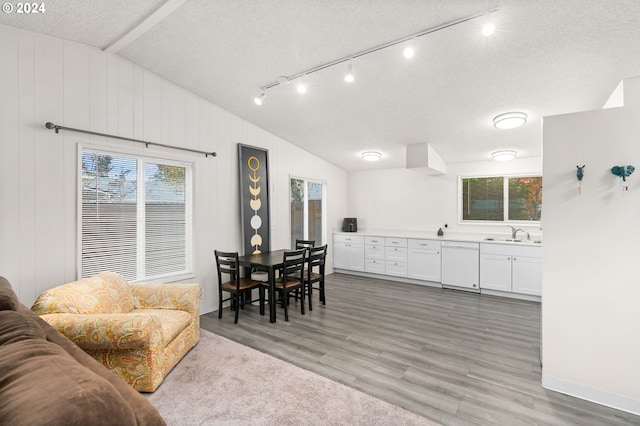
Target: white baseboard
[207,309]
[619,402]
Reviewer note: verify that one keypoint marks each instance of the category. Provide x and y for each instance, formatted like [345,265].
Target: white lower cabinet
[396,257]
[348,252]
[374,255]
[424,260]
[509,268]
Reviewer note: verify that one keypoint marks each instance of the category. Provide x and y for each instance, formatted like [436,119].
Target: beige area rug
[220,382]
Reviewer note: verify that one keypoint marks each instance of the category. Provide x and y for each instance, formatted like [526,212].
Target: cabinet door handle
[437,252]
[514,259]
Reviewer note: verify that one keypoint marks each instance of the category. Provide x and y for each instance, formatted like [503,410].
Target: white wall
[591,284]
[47,79]
[411,199]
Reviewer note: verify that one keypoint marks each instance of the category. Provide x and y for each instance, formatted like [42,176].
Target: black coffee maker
[350,224]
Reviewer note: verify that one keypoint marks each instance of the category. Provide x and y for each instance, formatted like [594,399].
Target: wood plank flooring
[454,357]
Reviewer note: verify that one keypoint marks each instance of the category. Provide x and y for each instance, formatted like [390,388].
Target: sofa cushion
[42,384]
[171,320]
[16,326]
[8,298]
[105,293]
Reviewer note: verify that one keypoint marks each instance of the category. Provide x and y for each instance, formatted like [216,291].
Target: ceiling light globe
[302,88]
[488,29]
[409,52]
[349,78]
[258,100]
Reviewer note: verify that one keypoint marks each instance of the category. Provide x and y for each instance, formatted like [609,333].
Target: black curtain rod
[50,125]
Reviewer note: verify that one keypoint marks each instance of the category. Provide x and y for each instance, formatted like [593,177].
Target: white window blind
[136,216]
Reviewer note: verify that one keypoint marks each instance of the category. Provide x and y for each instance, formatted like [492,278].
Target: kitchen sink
[510,240]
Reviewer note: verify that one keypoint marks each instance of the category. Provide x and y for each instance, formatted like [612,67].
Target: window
[135,216]
[501,198]
[307,210]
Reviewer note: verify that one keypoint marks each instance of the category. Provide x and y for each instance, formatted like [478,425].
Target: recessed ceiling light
[504,155]
[371,155]
[510,120]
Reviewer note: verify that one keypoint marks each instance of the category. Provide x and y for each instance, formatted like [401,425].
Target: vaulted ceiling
[546,57]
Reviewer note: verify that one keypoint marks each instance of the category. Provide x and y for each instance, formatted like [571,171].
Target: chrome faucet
[514,232]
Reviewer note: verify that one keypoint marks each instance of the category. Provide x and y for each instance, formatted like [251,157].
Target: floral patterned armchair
[139,331]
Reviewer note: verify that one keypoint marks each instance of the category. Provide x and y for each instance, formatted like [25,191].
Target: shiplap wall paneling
[76,113]
[49,162]
[24,225]
[9,151]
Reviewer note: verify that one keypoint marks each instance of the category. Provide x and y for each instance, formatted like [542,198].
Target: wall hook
[622,171]
[580,175]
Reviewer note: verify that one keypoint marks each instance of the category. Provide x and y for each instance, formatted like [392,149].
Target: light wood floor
[454,357]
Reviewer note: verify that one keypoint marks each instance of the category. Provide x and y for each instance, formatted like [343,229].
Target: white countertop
[494,238]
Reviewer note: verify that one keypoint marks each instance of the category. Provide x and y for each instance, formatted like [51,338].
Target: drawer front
[395,242]
[398,254]
[346,238]
[374,252]
[424,244]
[373,240]
[374,266]
[398,269]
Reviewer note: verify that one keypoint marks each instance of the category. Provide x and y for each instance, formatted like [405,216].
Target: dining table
[269,261]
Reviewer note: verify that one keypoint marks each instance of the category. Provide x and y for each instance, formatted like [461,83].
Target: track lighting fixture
[259,99]
[349,75]
[302,85]
[408,51]
[488,29]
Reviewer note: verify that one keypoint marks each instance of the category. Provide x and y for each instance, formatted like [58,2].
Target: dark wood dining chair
[315,273]
[305,243]
[291,279]
[239,288]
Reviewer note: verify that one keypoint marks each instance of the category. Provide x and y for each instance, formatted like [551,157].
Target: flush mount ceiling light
[408,51]
[371,155]
[510,120]
[504,155]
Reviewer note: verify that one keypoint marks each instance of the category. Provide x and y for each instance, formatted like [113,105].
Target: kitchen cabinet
[396,257]
[348,252]
[510,268]
[423,260]
[374,254]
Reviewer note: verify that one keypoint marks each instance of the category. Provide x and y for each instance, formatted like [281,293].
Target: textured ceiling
[547,57]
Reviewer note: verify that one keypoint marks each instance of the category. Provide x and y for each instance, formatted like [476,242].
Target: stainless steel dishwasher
[461,265]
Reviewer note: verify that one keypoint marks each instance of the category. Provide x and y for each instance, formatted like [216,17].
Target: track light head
[409,51]
[259,99]
[349,78]
[488,29]
[302,85]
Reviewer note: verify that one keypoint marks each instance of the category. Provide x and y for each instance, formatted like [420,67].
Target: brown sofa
[45,379]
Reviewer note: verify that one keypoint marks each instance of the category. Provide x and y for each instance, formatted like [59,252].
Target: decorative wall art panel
[254,199]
